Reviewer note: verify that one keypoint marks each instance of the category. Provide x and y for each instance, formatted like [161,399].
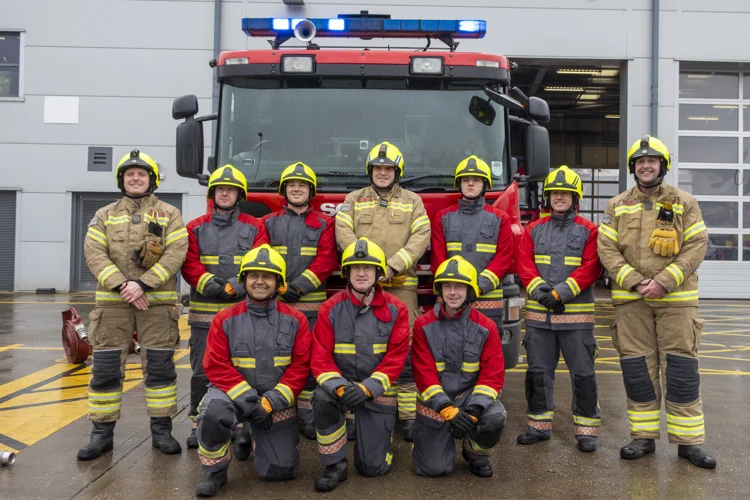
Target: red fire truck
[328,107]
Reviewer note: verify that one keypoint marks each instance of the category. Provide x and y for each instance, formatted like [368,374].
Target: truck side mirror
[538,109]
[184,106]
[537,152]
[190,148]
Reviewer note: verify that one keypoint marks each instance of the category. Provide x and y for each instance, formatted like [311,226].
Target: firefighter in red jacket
[558,264]
[479,233]
[360,348]
[216,244]
[306,239]
[459,369]
[257,360]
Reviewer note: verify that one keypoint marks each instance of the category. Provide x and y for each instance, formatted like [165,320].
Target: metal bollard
[7,458]
[137,348]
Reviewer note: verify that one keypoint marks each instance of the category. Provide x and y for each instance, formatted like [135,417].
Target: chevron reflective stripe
[431,391]
[121,219]
[163,274]
[403,207]
[202,282]
[281,249]
[161,397]
[534,283]
[588,422]
[238,389]
[282,360]
[97,235]
[221,452]
[106,273]
[494,295]
[364,205]
[453,246]
[243,362]
[313,297]
[344,349]
[623,273]
[470,367]
[609,233]
[485,390]
[693,230]
[332,438]
[440,365]
[542,259]
[573,284]
[308,251]
[420,221]
[492,277]
[208,307]
[326,376]
[379,348]
[486,248]
[346,219]
[285,391]
[311,277]
[685,426]
[382,378]
[405,257]
[644,421]
[547,415]
[175,235]
[209,260]
[572,261]
[677,273]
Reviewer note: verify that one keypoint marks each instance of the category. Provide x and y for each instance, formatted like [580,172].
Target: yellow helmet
[649,146]
[263,258]
[563,179]
[227,176]
[385,154]
[457,270]
[300,172]
[363,252]
[136,159]
[473,166]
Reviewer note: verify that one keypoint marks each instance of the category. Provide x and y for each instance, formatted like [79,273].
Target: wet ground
[43,407]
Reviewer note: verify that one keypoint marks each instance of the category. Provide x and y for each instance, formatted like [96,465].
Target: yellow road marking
[19,348]
[12,346]
[33,378]
[722,357]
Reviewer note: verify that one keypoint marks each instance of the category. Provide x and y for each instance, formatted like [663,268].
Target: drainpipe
[655,68]
[217,49]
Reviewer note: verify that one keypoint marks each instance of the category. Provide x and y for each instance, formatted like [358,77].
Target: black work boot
[637,448]
[697,455]
[308,429]
[161,436]
[192,440]
[479,469]
[243,443]
[351,430]
[409,427]
[530,437]
[586,443]
[332,476]
[102,441]
[211,483]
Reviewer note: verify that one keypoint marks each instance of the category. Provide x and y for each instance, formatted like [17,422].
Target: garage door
[85,206]
[8,242]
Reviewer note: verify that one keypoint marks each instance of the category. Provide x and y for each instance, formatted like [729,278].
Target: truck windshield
[333,127]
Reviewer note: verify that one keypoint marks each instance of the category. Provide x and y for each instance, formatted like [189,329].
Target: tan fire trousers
[406,389]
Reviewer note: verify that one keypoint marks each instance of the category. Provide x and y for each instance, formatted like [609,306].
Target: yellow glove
[149,251]
[229,289]
[664,242]
[450,412]
[365,390]
[266,404]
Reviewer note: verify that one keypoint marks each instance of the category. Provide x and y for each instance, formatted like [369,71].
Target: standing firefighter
[395,219]
[558,264]
[217,243]
[361,344]
[134,247]
[459,369]
[257,360]
[306,239]
[652,240]
[477,232]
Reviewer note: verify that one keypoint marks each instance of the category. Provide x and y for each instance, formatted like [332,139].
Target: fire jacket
[559,252]
[453,355]
[398,223]
[251,350]
[112,238]
[217,243]
[308,244]
[357,343]
[480,234]
[626,228]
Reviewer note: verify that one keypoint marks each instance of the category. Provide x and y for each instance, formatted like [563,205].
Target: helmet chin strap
[389,187]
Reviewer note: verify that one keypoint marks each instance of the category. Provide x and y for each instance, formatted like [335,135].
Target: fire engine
[328,106]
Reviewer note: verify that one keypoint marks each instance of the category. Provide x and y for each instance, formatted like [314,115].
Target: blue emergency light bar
[368,27]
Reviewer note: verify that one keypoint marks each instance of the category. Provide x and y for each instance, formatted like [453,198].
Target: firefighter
[360,348]
[477,232]
[135,248]
[217,243]
[395,219]
[651,240]
[306,239]
[459,369]
[257,360]
[558,265]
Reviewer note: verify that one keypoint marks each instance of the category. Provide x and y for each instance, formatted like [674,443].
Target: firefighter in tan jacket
[134,247]
[395,219]
[652,240]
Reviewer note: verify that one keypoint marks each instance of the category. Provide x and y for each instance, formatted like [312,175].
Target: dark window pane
[709,182]
[722,247]
[746,150]
[8,81]
[746,111]
[10,48]
[708,150]
[746,182]
[746,247]
[746,215]
[709,85]
[709,117]
[720,213]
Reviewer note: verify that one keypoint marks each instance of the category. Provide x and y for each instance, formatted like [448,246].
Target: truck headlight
[427,66]
[513,308]
[298,64]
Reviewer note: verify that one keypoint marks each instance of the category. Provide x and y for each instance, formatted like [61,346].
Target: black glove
[463,422]
[548,300]
[475,411]
[456,433]
[354,397]
[214,287]
[291,295]
[256,414]
[559,308]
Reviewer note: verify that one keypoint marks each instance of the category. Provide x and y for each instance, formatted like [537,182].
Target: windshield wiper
[338,174]
[412,180]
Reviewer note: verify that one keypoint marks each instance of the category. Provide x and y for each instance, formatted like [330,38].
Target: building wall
[126,61]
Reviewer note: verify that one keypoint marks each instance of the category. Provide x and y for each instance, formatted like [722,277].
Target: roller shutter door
[8,241]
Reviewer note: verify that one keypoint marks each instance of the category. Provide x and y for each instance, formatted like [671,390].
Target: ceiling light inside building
[574,71]
[613,117]
[725,106]
[589,97]
[704,118]
[563,89]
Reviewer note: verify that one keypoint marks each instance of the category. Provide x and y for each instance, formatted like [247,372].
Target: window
[11,58]
[714,155]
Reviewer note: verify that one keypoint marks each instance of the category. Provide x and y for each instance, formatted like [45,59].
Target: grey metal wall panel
[7,240]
